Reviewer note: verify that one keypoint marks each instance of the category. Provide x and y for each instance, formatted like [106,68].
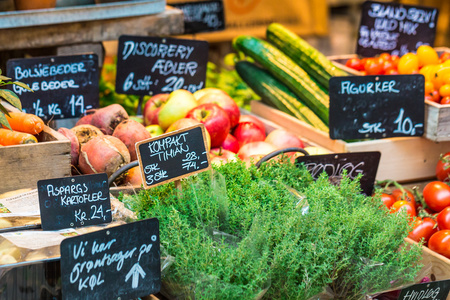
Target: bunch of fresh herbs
[273,232]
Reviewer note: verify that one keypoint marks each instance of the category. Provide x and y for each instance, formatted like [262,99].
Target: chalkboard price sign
[152,65]
[121,262]
[174,155]
[355,164]
[428,290]
[395,28]
[74,201]
[376,106]
[63,86]
[202,16]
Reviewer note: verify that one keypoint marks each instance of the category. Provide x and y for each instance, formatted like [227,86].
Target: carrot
[24,122]
[9,137]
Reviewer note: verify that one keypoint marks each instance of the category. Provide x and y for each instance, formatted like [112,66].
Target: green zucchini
[307,57]
[287,71]
[276,94]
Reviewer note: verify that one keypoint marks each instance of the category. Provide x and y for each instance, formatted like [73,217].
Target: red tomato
[402,205]
[440,242]
[437,195]
[423,229]
[373,66]
[443,168]
[387,200]
[436,96]
[404,196]
[387,65]
[445,56]
[385,56]
[355,64]
[429,98]
[445,100]
[391,71]
[395,59]
[443,219]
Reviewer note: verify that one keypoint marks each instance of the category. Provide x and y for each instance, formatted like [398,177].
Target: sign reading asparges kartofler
[376,106]
[121,262]
[173,155]
[63,86]
[395,28]
[152,65]
[74,201]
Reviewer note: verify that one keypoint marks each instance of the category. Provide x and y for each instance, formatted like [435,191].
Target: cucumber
[287,71]
[276,94]
[307,57]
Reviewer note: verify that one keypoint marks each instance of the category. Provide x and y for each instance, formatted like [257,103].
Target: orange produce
[24,122]
[9,137]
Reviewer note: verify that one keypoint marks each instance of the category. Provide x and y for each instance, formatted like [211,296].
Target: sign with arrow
[121,261]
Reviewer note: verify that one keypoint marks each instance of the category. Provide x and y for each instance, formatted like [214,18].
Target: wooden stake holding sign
[173,156]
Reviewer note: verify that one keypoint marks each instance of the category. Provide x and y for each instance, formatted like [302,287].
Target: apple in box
[179,103]
[254,120]
[215,119]
[222,99]
[221,156]
[247,132]
[281,139]
[231,144]
[152,108]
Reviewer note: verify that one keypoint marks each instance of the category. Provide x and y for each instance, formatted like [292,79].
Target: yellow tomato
[444,90]
[427,55]
[429,87]
[408,64]
[440,75]
[427,72]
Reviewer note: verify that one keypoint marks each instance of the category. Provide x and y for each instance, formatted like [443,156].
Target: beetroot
[103,154]
[85,133]
[74,144]
[107,118]
[130,132]
[84,120]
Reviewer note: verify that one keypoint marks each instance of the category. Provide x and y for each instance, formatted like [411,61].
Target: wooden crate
[437,116]
[402,159]
[440,265]
[22,166]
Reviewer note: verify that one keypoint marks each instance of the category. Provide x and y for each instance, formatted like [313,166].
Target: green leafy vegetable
[273,232]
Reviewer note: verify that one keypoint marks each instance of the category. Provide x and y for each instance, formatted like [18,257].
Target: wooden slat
[23,165]
[169,22]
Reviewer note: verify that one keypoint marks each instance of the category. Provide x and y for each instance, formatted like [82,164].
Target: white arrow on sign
[135,271]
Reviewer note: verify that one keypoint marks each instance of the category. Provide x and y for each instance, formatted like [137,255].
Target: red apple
[220,156]
[255,120]
[255,148]
[215,119]
[231,144]
[284,139]
[227,103]
[152,108]
[247,132]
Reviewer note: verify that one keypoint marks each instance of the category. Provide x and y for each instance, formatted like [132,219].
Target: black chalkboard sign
[356,163]
[395,28]
[436,290]
[152,65]
[376,106]
[173,156]
[74,201]
[202,16]
[64,86]
[121,262]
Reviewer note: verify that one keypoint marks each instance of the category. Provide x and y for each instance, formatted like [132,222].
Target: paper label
[38,239]
[22,204]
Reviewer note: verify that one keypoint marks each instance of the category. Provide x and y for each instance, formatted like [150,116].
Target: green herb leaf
[11,97]
[23,85]
[4,78]
[4,121]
